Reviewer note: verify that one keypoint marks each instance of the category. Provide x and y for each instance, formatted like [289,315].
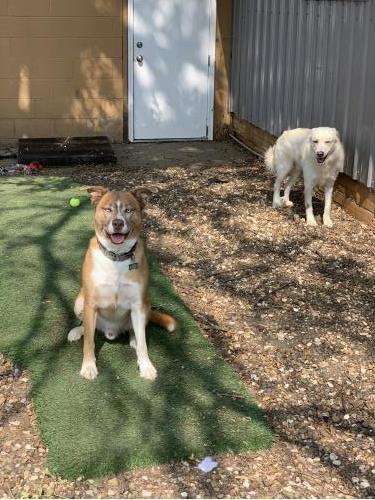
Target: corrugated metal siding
[308,63]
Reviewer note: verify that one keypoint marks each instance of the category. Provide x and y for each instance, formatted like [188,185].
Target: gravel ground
[290,307]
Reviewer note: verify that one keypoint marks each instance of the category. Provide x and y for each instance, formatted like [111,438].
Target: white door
[171,63]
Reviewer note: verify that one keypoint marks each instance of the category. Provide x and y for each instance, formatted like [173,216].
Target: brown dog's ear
[96,193]
[142,194]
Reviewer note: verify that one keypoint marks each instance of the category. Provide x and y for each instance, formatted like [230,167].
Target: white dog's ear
[337,134]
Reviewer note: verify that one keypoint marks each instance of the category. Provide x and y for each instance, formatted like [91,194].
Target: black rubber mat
[66,151]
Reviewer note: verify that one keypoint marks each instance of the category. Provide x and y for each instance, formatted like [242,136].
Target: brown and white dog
[114,294]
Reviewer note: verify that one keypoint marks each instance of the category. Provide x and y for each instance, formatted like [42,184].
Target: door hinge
[206,130]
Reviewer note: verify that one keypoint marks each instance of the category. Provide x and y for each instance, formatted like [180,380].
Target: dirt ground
[290,307]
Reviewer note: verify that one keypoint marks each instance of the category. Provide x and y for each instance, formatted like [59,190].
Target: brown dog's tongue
[117,238]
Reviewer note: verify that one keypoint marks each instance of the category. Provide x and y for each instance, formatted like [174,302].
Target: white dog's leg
[146,368]
[310,219]
[292,179]
[277,203]
[328,190]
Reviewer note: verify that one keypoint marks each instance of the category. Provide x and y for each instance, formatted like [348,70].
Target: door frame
[211,74]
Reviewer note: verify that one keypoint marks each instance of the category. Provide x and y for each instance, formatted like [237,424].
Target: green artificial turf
[196,407]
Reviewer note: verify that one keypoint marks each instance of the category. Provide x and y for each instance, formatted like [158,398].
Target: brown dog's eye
[107,209]
[128,210]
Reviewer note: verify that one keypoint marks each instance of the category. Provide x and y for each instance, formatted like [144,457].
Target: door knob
[139,45]
[139,59]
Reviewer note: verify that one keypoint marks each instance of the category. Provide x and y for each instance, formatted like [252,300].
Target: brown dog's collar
[117,257]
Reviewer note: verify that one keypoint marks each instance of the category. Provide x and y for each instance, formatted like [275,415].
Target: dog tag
[132,266]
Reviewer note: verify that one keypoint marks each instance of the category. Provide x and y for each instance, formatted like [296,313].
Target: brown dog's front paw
[147,370]
[89,370]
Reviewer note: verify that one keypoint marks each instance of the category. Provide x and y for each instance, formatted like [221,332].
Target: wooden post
[222,117]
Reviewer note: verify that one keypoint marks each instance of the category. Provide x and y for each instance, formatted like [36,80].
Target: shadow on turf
[176,389]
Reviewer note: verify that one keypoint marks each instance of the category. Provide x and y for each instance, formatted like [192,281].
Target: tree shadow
[320,415]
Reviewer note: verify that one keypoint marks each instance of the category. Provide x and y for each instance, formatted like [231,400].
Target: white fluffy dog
[318,154]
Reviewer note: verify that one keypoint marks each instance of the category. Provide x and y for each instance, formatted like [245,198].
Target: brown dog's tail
[163,320]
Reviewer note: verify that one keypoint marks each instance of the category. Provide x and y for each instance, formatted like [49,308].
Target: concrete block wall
[61,68]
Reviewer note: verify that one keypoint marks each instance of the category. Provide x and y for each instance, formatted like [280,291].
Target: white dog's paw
[147,370]
[288,203]
[89,370]
[311,222]
[75,333]
[277,204]
[327,222]
[110,334]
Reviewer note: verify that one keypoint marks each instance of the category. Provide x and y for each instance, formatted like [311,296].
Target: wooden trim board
[223,47]
[356,199]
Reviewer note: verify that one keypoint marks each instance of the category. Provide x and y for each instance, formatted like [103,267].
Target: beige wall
[61,70]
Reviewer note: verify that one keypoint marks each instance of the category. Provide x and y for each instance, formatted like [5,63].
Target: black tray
[66,151]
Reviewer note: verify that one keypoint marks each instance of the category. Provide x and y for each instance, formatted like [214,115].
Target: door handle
[139,59]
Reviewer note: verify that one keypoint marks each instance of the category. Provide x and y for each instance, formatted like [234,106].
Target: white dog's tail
[269,159]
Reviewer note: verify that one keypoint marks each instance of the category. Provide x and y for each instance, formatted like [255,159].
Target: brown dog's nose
[117,224]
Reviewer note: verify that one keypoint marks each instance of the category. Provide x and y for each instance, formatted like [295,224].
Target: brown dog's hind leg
[78,305]
[77,332]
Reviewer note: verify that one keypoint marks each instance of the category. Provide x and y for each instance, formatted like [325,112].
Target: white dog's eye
[315,142]
[328,142]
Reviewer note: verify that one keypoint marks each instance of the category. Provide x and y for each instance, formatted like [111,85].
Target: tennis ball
[75,202]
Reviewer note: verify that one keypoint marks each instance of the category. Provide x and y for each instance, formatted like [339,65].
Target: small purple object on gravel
[207,464]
